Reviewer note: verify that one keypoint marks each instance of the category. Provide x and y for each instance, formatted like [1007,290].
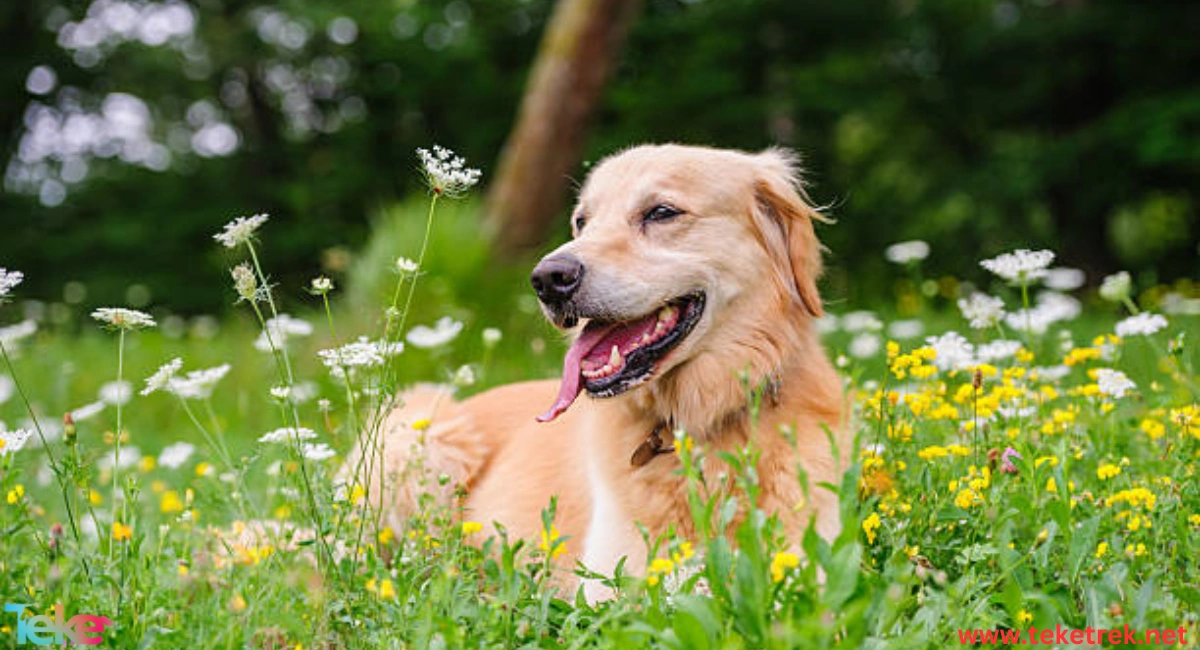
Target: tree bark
[576,54]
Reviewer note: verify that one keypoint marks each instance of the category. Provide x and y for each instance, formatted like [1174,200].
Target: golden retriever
[691,271]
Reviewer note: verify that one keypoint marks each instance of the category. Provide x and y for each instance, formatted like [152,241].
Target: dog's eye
[580,222]
[661,212]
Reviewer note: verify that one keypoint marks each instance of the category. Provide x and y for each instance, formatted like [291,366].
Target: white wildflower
[161,379]
[360,354]
[282,328]
[1143,324]
[286,434]
[87,411]
[464,376]
[909,328]
[324,405]
[861,321]
[12,441]
[1021,266]
[123,319]
[997,350]
[828,323]
[318,452]
[245,283]
[1052,307]
[281,393]
[1050,373]
[18,332]
[405,266]
[491,336]
[1064,279]
[175,455]
[8,281]
[1177,304]
[304,392]
[320,286]
[6,390]
[128,457]
[198,384]
[116,393]
[445,172]
[240,230]
[1116,287]
[982,310]
[953,351]
[1113,383]
[907,251]
[440,334]
[864,345]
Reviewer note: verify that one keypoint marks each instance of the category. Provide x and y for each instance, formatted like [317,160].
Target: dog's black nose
[556,278]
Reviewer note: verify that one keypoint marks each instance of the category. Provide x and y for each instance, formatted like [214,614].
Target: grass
[995,496]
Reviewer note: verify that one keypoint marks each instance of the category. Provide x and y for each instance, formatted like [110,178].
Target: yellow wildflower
[387,590]
[870,526]
[1153,428]
[95,498]
[1107,471]
[170,502]
[1024,617]
[16,493]
[659,567]
[237,603]
[967,498]
[471,527]
[781,563]
[1101,549]
[551,542]
[121,532]
[421,424]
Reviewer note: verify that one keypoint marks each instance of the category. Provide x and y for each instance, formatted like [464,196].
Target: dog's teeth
[666,313]
[606,369]
[614,359]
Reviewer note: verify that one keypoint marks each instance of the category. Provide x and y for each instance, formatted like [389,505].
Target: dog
[691,274]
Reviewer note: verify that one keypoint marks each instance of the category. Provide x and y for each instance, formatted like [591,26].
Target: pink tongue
[572,381]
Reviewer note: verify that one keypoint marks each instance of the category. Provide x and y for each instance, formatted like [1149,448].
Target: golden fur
[747,240]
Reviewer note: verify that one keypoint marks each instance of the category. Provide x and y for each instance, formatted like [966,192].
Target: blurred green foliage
[978,125]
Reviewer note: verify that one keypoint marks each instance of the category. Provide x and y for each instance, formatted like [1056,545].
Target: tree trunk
[578,50]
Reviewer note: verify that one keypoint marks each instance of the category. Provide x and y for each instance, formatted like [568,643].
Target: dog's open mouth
[610,358]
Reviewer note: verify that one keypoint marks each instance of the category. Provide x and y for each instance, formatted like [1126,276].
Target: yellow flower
[933,451]
[170,502]
[784,561]
[357,494]
[1194,519]
[1107,471]
[870,525]
[685,552]
[1024,617]
[471,527]
[1101,549]
[1188,419]
[386,535]
[121,532]
[182,569]
[967,498]
[1153,428]
[16,493]
[237,603]
[95,498]
[1137,550]
[421,424]
[146,464]
[284,511]
[203,468]
[551,542]
[387,590]
[658,568]
[1052,485]
[1024,356]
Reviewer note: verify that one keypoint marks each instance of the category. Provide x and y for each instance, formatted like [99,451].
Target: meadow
[1025,457]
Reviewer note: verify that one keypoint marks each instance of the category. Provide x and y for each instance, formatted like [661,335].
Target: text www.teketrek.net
[1059,635]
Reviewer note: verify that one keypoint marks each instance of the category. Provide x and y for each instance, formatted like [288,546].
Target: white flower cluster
[1116,287]
[175,455]
[360,354]
[982,310]
[282,328]
[907,251]
[197,384]
[1143,324]
[1020,266]
[286,434]
[123,319]
[953,351]
[319,451]
[1051,308]
[8,281]
[1064,278]
[445,172]
[240,230]
[12,441]
[1113,383]
[442,332]
[18,331]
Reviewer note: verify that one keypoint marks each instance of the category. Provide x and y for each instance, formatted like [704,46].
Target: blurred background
[132,130]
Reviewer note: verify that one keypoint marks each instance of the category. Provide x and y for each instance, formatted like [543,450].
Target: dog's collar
[654,445]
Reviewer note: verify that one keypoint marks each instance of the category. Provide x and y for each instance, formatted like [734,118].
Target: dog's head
[678,252]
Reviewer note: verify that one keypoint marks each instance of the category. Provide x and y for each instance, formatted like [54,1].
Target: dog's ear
[786,218]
